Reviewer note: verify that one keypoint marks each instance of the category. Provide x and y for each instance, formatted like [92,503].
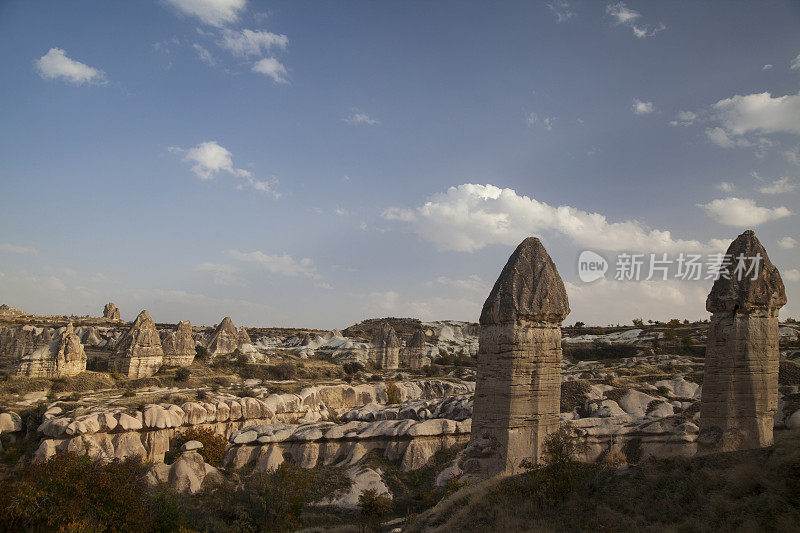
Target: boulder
[110,312]
[63,356]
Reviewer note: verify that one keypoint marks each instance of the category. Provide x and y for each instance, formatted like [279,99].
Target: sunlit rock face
[138,352]
[740,385]
[225,338]
[413,356]
[110,312]
[518,386]
[178,345]
[63,356]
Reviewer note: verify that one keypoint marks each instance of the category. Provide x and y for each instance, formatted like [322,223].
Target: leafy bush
[213,449]
[182,374]
[393,393]
[374,507]
[71,493]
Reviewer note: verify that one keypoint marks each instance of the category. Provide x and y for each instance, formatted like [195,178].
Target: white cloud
[359,119]
[779,186]
[791,274]
[642,108]
[204,55]
[265,186]
[627,17]
[530,119]
[216,13]
[725,186]
[795,64]
[470,216]
[787,242]
[684,118]
[246,43]
[223,274]
[279,264]
[767,67]
[210,159]
[472,284]
[17,249]
[743,120]
[548,122]
[742,212]
[55,64]
[269,66]
[341,211]
[561,10]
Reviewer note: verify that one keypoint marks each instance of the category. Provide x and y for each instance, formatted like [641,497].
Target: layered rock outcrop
[518,388]
[178,345]
[63,356]
[740,384]
[110,312]
[224,340]
[386,348]
[138,352]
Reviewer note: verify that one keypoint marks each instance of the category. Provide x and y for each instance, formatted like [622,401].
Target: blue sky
[312,164]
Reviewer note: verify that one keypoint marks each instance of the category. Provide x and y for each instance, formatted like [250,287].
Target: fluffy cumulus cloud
[271,67]
[743,120]
[471,216]
[725,186]
[247,43]
[284,264]
[216,13]
[787,242]
[642,108]
[780,186]
[795,64]
[204,55]
[209,159]
[561,10]
[742,212]
[791,274]
[624,16]
[56,65]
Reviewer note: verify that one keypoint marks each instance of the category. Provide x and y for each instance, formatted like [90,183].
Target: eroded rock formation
[740,384]
[178,345]
[138,352]
[386,347]
[414,352]
[111,312]
[225,338]
[518,388]
[63,356]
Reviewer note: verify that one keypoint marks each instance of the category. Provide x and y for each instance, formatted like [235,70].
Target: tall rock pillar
[740,384]
[518,389]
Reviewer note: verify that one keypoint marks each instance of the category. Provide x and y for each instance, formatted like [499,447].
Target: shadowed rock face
[740,384]
[413,355]
[225,338]
[766,291]
[518,386]
[529,288]
[139,352]
[111,312]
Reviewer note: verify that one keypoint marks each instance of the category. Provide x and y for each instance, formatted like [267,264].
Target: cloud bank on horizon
[313,168]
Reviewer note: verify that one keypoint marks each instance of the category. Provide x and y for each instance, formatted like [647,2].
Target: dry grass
[745,491]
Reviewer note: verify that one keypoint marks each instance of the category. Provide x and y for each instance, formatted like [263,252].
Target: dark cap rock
[764,292]
[529,288]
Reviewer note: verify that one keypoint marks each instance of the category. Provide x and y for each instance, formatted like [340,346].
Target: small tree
[638,322]
[374,508]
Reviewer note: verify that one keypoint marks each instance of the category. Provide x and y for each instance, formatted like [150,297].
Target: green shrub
[71,493]
[374,508]
[393,393]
